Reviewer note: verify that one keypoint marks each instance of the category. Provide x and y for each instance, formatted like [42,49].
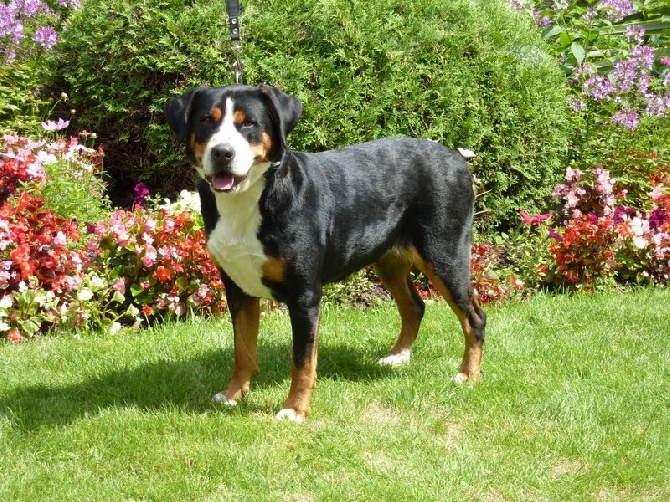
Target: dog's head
[233,134]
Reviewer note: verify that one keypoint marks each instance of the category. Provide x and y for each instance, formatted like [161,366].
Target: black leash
[233,10]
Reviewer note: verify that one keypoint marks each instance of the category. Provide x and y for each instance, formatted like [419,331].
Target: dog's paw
[221,398]
[461,378]
[396,359]
[291,415]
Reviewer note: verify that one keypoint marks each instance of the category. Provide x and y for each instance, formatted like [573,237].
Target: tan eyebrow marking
[216,114]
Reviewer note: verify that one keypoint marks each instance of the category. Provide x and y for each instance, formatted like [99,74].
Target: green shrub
[468,73]
[21,105]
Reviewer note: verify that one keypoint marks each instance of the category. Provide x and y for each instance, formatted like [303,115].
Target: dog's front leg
[304,315]
[245,313]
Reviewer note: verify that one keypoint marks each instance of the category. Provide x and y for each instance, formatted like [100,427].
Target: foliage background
[467,73]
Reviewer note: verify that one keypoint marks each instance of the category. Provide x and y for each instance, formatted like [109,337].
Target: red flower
[162,274]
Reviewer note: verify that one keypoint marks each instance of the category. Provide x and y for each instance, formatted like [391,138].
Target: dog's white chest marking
[234,241]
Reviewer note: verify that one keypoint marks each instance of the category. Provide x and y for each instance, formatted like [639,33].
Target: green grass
[574,405]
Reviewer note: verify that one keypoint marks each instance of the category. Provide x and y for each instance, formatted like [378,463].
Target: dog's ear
[285,110]
[177,111]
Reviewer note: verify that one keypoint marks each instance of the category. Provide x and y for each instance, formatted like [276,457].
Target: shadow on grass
[184,384]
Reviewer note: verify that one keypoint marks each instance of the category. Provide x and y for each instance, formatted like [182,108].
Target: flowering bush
[486,270]
[128,268]
[27,24]
[158,261]
[37,263]
[610,55]
[597,239]
[65,173]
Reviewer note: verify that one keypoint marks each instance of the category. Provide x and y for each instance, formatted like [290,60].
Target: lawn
[574,405]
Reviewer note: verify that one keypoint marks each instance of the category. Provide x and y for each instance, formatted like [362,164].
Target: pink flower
[59,239]
[120,285]
[656,193]
[55,126]
[534,220]
[149,225]
[150,256]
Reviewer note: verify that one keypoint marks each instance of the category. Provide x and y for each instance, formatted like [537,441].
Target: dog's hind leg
[394,272]
[459,295]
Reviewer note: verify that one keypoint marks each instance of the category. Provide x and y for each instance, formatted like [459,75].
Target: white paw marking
[223,399]
[461,378]
[396,359]
[289,414]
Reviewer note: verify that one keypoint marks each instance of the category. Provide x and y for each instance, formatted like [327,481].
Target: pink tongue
[223,181]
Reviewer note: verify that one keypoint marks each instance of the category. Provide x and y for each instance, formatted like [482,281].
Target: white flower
[96,282]
[6,302]
[84,295]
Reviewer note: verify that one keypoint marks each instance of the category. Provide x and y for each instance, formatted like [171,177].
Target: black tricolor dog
[280,224]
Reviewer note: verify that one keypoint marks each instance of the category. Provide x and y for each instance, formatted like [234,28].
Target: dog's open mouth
[224,182]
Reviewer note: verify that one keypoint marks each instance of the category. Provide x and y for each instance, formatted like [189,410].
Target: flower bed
[129,269]
[133,267]
[597,237]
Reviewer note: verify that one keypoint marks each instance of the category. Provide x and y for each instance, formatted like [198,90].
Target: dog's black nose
[223,153]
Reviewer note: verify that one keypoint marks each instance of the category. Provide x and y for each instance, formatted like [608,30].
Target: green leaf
[552,31]
[578,51]
[136,289]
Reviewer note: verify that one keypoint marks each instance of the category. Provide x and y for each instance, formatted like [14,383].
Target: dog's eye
[247,124]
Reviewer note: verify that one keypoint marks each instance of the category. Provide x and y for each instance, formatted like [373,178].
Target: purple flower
[643,55]
[618,9]
[541,20]
[598,87]
[576,104]
[635,34]
[657,218]
[140,193]
[626,118]
[46,36]
[554,234]
[622,213]
[591,13]
[31,7]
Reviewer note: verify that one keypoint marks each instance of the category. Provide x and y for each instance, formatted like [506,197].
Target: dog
[280,224]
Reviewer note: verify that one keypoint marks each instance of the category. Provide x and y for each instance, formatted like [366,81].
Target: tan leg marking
[303,380]
[393,270]
[472,355]
[245,328]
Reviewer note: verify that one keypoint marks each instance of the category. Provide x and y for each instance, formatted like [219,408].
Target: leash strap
[233,11]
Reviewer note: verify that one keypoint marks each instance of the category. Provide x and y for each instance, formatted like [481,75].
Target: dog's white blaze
[227,133]
[234,241]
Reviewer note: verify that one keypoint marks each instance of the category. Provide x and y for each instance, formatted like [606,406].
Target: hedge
[468,73]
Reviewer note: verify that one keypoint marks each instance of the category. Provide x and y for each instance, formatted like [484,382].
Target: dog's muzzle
[222,156]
